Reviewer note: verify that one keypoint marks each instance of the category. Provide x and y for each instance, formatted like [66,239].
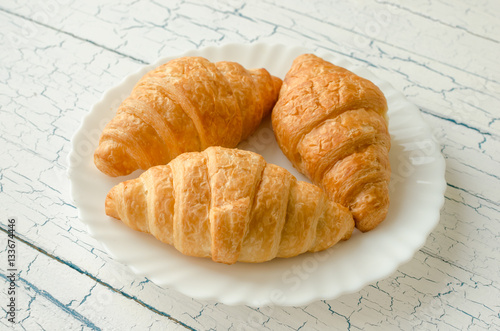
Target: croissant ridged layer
[331,124]
[184,105]
[229,205]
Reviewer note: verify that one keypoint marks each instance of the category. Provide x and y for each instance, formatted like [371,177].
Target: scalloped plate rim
[438,187]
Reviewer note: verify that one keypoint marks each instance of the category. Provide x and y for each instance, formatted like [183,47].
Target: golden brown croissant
[185,105]
[230,205]
[331,124]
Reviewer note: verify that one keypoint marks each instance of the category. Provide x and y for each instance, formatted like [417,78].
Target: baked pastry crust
[184,105]
[332,125]
[229,205]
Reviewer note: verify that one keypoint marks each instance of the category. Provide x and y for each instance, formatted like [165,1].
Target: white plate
[416,192]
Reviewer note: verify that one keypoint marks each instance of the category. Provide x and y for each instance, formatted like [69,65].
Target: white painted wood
[58,57]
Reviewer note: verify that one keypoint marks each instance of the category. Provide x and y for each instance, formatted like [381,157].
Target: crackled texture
[230,205]
[59,57]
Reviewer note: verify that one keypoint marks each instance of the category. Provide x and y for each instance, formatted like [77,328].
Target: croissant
[230,205]
[332,125]
[187,104]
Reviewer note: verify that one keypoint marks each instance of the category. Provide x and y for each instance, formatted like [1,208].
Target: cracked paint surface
[53,70]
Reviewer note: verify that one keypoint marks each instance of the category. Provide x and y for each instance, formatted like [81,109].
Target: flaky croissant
[185,105]
[230,205]
[331,124]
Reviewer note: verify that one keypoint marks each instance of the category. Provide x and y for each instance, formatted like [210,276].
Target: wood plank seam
[97,280]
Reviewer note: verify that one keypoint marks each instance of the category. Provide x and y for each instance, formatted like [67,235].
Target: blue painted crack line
[74,36]
[466,313]
[88,295]
[436,20]
[428,112]
[23,148]
[101,282]
[451,263]
[482,171]
[348,319]
[377,40]
[477,196]
[32,299]
[300,327]
[58,303]
[476,210]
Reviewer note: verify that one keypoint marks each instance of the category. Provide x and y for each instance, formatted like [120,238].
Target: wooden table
[58,57]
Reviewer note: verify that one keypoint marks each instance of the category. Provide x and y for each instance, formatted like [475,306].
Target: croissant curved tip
[277,82]
[110,203]
[349,223]
[369,223]
[114,160]
[371,206]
